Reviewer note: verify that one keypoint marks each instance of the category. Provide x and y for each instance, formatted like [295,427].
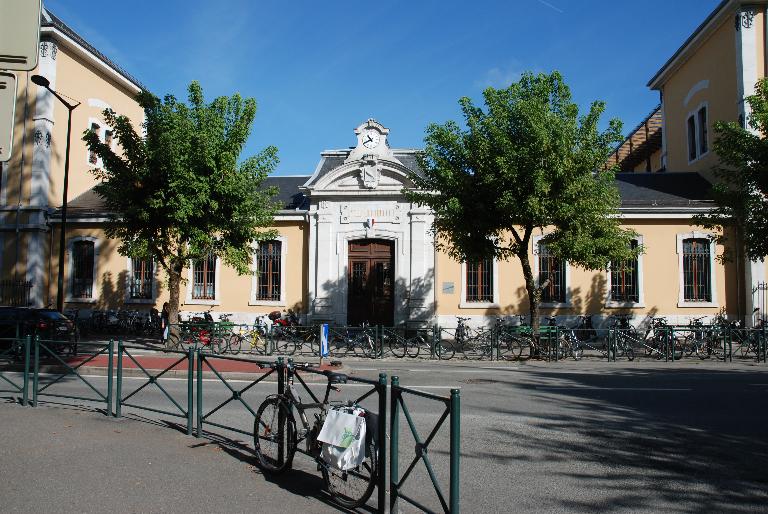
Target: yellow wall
[715,61]
[81,81]
[589,289]
[234,293]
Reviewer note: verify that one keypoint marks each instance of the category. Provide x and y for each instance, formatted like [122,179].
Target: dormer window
[698,135]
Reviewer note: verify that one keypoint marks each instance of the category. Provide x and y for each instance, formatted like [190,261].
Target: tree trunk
[174,286]
[534,293]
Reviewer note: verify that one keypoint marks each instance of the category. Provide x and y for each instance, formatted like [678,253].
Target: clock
[370,138]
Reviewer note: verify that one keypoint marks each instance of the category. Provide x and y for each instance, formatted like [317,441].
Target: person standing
[165,316]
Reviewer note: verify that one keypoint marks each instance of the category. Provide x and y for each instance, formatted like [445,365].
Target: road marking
[577,388]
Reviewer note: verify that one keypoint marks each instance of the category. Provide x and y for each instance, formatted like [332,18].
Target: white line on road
[576,388]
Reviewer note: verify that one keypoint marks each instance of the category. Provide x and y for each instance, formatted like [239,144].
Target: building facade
[351,248]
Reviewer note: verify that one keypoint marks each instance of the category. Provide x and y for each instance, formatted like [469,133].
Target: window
[698,134]
[480,281]
[625,283]
[702,118]
[268,258]
[553,269]
[697,284]
[204,278]
[93,158]
[108,138]
[142,276]
[82,269]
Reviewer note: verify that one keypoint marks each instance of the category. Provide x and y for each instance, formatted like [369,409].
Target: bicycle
[276,439]
[410,343]
[480,341]
[254,339]
[352,341]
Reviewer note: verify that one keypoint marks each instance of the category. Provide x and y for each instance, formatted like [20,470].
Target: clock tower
[371,143]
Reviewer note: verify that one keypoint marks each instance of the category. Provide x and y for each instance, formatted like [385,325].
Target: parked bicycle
[353,341]
[276,439]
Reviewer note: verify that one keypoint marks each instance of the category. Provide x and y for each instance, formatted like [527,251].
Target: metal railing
[17,353]
[15,293]
[452,413]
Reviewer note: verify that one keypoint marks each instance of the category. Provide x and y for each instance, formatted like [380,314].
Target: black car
[55,329]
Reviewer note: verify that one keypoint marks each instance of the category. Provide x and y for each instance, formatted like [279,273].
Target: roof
[49,19]
[663,189]
[640,144]
[289,196]
[88,204]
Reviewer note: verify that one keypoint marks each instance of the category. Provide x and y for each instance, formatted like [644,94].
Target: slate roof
[51,20]
[663,189]
[289,196]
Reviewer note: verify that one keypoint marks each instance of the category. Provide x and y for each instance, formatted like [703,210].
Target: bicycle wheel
[397,345]
[413,346]
[353,487]
[339,346]
[526,348]
[274,436]
[285,346]
[235,344]
[445,350]
[509,348]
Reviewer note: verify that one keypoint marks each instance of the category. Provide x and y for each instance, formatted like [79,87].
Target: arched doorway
[370,275]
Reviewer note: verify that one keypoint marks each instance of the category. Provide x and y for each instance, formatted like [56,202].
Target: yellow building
[352,249]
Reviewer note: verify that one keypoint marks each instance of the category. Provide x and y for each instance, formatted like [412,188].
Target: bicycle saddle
[336,378]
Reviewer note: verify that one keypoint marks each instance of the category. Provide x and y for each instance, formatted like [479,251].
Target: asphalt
[587,436]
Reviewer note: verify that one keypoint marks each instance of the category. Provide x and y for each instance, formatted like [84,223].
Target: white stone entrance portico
[357,195]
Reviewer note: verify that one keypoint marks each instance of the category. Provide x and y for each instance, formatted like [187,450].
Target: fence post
[25,390]
[394,442]
[119,388]
[281,371]
[200,360]
[110,375]
[382,430]
[435,340]
[190,387]
[36,376]
[455,450]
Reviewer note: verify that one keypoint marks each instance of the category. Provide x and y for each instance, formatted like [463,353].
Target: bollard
[394,441]
[36,376]
[455,450]
[190,387]
[119,390]
[382,440]
[199,432]
[25,390]
[110,372]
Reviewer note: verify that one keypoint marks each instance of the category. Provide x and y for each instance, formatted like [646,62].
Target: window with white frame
[552,272]
[625,279]
[106,136]
[83,255]
[479,280]
[204,278]
[93,157]
[268,266]
[697,272]
[698,133]
[141,279]
[696,267]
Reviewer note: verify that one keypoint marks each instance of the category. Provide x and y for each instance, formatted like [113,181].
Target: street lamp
[44,82]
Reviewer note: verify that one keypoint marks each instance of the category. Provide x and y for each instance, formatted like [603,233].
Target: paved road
[538,437]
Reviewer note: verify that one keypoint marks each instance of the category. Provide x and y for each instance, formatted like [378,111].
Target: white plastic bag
[343,438]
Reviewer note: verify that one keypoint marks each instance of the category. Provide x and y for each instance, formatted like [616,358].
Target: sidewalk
[67,459]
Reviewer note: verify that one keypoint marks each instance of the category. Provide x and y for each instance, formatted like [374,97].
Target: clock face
[370,138]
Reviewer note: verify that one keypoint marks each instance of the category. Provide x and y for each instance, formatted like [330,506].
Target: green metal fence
[448,503]
[208,362]
[15,357]
[185,412]
[52,351]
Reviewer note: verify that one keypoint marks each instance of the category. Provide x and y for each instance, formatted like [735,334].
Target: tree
[527,161]
[178,193]
[741,190]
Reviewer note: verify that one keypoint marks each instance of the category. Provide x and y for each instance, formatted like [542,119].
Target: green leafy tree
[741,190]
[526,162]
[179,192]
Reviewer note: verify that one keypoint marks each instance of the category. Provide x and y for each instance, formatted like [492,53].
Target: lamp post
[44,82]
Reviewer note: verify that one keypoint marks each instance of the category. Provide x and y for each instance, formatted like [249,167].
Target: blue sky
[318,69]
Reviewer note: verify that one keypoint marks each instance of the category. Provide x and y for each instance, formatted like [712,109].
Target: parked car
[49,324]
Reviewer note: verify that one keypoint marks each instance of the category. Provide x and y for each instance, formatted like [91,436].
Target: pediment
[374,175]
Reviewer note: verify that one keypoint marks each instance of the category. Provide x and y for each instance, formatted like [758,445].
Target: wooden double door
[370,295]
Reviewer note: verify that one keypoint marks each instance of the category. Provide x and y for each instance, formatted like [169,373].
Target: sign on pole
[19,34]
[324,340]
[7,114]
